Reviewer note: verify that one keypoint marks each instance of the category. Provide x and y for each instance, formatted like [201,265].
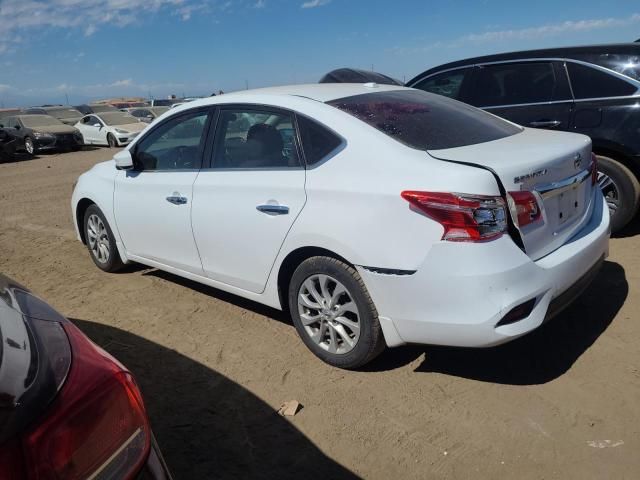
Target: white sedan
[374,215]
[114,129]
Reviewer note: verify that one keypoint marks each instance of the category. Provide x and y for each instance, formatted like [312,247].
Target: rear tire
[334,314]
[621,190]
[100,240]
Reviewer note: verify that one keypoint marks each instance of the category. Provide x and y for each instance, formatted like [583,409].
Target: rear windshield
[425,121]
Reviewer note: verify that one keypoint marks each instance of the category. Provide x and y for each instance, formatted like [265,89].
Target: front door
[531,94]
[246,202]
[152,202]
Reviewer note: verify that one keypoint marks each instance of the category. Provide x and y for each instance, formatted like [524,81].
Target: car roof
[320,92]
[559,52]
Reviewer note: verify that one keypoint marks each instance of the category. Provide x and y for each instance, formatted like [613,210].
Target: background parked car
[147,114]
[59,393]
[66,114]
[113,129]
[163,102]
[354,75]
[592,90]
[9,143]
[42,132]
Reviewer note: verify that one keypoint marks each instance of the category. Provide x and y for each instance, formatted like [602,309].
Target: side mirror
[124,160]
[17,127]
[97,125]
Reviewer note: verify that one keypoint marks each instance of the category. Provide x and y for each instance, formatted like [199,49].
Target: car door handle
[177,199]
[273,209]
[545,123]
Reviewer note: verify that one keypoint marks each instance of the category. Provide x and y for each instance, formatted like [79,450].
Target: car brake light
[524,208]
[466,218]
[96,428]
[594,169]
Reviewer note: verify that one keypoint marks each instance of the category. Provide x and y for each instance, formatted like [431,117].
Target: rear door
[532,94]
[247,200]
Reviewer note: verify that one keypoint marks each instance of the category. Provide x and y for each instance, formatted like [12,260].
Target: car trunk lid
[555,166]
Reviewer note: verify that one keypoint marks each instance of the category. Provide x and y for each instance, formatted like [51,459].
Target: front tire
[29,146]
[101,241]
[111,141]
[621,190]
[334,314]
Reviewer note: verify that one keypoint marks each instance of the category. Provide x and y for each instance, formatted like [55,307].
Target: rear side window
[588,82]
[516,83]
[448,84]
[425,121]
[317,141]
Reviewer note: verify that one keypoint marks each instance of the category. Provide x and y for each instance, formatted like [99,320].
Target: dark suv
[594,90]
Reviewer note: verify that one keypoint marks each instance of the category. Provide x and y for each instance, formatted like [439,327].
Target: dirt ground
[563,402]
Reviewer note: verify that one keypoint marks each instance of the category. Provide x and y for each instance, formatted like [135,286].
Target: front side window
[589,82]
[516,83]
[248,138]
[448,84]
[175,144]
[425,121]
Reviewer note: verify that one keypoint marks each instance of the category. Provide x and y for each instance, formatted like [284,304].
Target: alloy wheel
[98,239]
[610,191]
[329,314]
[28,146]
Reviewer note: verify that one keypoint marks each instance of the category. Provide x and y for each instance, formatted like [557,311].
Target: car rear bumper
[462,291]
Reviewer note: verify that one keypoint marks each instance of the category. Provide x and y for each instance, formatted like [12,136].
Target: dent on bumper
[461,291]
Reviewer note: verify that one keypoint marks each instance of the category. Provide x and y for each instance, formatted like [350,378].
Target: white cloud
[531,33]
[314,3]
[551,30]
[88,16]
[5,87]
[260,4]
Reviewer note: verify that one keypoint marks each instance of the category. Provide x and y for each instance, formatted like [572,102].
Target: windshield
[425,121]
[33,121]
[117,118]
[63,112]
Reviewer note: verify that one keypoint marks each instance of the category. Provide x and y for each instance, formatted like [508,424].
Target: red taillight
[524,208]
[96,428]
[594,169]
[469,218]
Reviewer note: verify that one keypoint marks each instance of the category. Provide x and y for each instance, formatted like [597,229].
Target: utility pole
[246,84]
[67,97]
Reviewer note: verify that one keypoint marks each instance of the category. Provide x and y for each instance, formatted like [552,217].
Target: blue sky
[90,49]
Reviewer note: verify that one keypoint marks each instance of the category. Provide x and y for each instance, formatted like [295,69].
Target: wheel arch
[292,261]
[609,150]
[81,208]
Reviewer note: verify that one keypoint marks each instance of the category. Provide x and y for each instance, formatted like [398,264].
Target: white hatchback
[374,215]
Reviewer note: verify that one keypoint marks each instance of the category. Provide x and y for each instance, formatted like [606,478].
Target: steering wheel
[180,158]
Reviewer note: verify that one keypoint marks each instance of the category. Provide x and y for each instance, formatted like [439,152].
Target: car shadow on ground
[241,302]
[208,426]
[539,357]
